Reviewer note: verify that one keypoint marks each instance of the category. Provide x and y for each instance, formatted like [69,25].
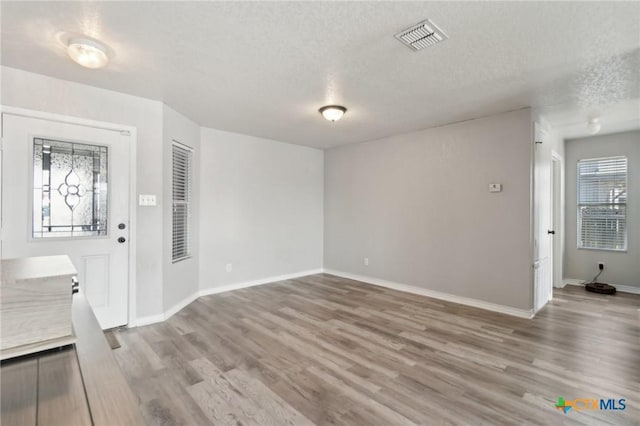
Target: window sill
[180,259]
[603,249]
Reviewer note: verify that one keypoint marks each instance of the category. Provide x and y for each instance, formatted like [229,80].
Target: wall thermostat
[495,187]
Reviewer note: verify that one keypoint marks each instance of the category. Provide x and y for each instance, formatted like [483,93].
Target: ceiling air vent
[421,35]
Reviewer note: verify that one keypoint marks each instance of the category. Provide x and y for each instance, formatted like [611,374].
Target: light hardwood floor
[327,350]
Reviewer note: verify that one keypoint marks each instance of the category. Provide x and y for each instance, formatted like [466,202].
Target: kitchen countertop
[81,384]
[33,268]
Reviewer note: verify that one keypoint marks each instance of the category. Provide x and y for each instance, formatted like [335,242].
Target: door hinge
[125,133]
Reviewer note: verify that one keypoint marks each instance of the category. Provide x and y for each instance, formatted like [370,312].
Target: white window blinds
[182,171]
[602,203]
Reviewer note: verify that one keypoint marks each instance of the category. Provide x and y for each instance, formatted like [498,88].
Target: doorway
[66,189]
[543,232]
[557,217]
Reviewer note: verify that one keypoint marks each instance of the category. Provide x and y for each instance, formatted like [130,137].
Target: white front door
[542,221]
[65,190]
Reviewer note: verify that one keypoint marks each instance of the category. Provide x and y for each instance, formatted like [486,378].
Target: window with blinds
[182,161]
[602,203]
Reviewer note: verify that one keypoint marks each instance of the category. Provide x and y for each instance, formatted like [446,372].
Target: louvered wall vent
[421,35]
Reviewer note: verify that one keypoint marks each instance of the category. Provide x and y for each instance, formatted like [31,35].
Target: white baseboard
[622,288]
[180,305]
[522,313]
[237,286]
[152,319]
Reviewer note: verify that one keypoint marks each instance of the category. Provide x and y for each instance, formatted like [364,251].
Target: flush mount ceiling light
[332,112]
[421,35]
[593,125]
[87,52]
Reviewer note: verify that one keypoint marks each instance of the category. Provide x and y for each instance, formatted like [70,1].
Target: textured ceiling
[571,122]
[265,68]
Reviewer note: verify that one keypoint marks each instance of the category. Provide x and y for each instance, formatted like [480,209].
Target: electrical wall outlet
[366,261]
[495,187]
[229,267]
[601,266]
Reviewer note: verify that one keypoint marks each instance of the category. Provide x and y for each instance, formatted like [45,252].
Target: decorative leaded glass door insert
[69,189]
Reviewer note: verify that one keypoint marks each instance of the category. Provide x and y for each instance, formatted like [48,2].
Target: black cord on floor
[596,277]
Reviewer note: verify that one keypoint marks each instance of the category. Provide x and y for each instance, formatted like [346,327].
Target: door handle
[551,232]
[75,285]
[122,240]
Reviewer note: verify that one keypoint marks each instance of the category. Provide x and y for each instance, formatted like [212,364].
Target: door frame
[133,139]
[540,136]
[557,216]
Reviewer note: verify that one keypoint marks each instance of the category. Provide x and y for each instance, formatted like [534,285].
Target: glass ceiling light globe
[593,125]
[332,112]
[88,53]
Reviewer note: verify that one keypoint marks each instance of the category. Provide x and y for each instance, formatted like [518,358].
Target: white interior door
[556,215]
[65,190]
[542,221]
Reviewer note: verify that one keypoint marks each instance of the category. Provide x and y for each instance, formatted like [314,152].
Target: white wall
[261,208]
[418,207]
[261,199]
[34,91]
[620,268]
[180,279]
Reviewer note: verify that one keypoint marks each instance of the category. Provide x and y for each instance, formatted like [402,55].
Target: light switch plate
[495,187]
[147,200]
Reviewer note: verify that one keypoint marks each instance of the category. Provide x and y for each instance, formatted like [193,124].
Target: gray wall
[180,279]
[417,205]
[620,268]
[261,208]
